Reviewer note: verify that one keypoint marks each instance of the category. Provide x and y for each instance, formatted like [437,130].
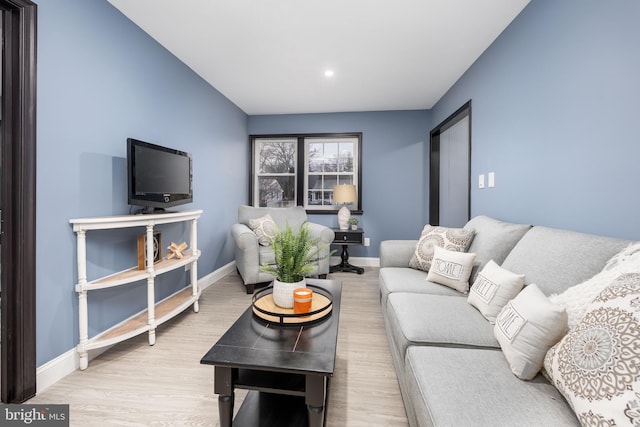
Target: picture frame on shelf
[142,249]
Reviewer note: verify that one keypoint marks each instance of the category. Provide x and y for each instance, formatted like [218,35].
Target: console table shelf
[156,312]
[164,310]
[133,274]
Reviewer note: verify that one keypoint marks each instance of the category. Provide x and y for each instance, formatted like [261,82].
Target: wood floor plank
[134,384]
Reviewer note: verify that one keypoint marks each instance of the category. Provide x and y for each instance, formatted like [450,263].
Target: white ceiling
[269,56]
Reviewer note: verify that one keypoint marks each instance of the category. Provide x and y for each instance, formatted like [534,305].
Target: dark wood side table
[346,238]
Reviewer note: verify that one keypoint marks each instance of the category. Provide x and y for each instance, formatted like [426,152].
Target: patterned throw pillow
[493,288]
[526,328]
[265,229]
[596,366]
[451,268]
[577,298]
[452,239]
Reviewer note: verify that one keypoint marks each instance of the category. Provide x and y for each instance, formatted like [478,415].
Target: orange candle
[302,298]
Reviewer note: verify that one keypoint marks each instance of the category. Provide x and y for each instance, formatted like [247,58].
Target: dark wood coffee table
[287,369]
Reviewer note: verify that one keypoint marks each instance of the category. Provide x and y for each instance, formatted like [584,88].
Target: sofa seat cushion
[266,255]
[400,279]
[418,319]
[556,259]
[474,387]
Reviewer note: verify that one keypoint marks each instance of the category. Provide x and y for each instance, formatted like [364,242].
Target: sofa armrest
[396,253]
[326,235]
[247,253]
[244,237]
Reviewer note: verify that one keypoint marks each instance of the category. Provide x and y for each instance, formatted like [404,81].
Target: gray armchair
[250,254]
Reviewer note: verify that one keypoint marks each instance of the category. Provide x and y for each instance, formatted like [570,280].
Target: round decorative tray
[266,309]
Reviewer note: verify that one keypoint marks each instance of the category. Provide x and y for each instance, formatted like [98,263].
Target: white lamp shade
[345,193]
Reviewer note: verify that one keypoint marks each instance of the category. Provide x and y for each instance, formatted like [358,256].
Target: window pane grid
[276,165]
[330,162]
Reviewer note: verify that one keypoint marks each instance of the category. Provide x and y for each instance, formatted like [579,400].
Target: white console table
[156,313]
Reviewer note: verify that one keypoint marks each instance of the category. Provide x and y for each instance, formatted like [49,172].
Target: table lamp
[344,194]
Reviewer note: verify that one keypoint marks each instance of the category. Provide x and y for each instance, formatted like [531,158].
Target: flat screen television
[158,177]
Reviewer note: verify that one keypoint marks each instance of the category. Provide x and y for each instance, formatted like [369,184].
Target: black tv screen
[159,177]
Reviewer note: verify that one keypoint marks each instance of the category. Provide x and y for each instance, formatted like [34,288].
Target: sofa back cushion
[295,216]
[556,259]
[493,240]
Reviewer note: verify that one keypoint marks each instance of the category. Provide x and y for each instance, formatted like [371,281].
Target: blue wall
[100,80]
[394,146]
[554,101]
[554,114]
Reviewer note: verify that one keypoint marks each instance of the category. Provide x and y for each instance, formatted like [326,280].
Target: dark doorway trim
[18,201]
[434,161]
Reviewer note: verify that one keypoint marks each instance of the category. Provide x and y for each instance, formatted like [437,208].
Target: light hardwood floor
[134,384]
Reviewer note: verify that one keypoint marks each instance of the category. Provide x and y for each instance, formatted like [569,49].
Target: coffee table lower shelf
[275,399]
[261,409]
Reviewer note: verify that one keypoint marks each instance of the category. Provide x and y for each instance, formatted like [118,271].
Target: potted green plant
[353,222]
[295,254]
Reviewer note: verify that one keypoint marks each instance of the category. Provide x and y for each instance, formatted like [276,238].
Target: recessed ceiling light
[328,73]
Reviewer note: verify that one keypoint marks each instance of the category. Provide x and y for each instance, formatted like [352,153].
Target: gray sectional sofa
[450,367]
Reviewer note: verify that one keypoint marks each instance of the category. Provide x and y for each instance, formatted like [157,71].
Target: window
[275,166]
[302,170]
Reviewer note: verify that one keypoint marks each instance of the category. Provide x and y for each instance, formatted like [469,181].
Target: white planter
[283,292]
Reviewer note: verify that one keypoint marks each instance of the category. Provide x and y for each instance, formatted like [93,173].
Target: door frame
[18,198]
[434,161]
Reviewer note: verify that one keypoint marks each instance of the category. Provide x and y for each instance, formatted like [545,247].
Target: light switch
[481,180]
[492,179]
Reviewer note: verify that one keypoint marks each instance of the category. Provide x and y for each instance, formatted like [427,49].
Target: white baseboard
[58,368]
[216,275]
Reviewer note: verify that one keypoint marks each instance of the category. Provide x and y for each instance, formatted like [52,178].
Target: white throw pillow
[493,288]
[577,298]
[596,366]
[265,228]
[526,328]
[453,239]
[451,268]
